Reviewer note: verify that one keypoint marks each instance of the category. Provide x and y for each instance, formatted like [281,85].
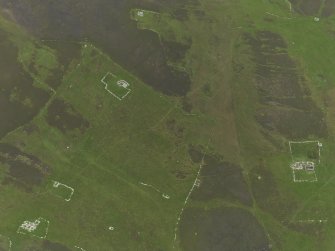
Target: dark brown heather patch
[64,117]
[293,123]
[54,246]
[267,194]
[221,229]
[286,103]
[44,245]
[20,101]
[30,128]
[196,153]
[174,128]
[314,7]
[222,180]
[24,170]
[328,8]
[306,7]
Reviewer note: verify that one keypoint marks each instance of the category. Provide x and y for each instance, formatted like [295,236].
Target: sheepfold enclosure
[145,18]
[38,228]
[61,190]
[305,156]
[117,87]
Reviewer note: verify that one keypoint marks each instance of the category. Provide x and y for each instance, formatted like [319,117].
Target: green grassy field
[262,75]
[121,148]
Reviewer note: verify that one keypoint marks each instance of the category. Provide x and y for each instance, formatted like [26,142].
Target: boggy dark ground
[45,245]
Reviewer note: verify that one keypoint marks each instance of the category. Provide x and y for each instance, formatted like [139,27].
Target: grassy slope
[311,44]
[128,142]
